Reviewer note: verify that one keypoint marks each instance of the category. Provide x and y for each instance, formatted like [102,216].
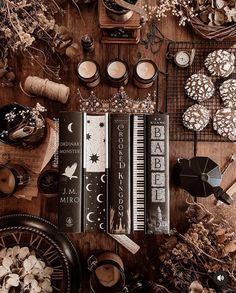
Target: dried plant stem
[9,14]
[201,206]
[199,249]
[77,6]
[162,287]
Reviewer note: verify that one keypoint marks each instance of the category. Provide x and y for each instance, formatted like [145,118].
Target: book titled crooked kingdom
[71,171]
[118,185]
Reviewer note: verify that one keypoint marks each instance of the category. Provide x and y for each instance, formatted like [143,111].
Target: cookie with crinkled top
[220,63]
[228,93]
[196,117]
[224,122]
[199,87]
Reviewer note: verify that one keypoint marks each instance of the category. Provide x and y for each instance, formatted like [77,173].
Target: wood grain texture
[88,243]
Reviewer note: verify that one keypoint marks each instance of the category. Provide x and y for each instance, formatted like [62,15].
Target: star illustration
[101,124]
[94,158]
[88,136]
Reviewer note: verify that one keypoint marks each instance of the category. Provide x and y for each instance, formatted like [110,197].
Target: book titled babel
[157,175]
[118,185]
[70,171]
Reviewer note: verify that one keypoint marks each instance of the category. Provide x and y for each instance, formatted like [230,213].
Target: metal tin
[12,178]
[117,73]
[89,73]
[145,73]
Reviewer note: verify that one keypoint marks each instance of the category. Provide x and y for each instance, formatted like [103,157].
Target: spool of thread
[46,88]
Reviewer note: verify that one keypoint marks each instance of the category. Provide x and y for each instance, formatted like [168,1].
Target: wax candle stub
[87,69]
[145,70]
[7,181]
[145,73]
[116,69]
[117,73]
[108,275]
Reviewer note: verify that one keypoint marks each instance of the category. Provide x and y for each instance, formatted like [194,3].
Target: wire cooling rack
[178,102]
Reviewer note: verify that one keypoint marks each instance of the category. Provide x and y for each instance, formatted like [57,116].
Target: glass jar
[117,73]
[107,273]
[145,73]
[12,178]
[89,73]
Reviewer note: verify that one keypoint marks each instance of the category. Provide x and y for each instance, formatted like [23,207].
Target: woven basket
[216,32]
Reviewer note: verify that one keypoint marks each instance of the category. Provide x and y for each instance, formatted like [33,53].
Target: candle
[108,274]
[7,181]
[145,73]
[88,72]
[12,178]
[117,73]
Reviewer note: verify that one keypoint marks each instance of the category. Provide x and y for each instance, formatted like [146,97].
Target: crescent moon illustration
[102,178]
[87,187]
[101,226]
[88,217]
[70,127]
[98,198]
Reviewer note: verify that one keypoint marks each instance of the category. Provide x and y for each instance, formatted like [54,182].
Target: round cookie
[199,87]
[224,122]
[196,117]
[228,93]
[220,63]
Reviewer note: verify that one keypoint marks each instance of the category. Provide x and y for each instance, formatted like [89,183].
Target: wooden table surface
[87,243]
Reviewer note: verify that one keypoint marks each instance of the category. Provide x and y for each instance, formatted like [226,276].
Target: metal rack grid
[178,102]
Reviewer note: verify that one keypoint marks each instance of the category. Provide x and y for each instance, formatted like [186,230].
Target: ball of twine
[47,88]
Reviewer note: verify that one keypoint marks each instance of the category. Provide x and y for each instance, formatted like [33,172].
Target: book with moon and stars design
[70,154]
[118,160]
[94,172]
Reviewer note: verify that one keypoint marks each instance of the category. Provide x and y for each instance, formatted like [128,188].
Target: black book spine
[119,179]
[94,173]
[71,171]
[157,174]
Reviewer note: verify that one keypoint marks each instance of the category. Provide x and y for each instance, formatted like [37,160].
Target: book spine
[94,173]
[119,179]
[70,171]
[157,174]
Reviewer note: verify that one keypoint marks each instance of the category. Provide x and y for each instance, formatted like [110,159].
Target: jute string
[47,88]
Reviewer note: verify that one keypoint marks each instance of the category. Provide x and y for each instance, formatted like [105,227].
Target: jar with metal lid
[89,73]
[145,73]
[107,273]
[12,178]
[117,73]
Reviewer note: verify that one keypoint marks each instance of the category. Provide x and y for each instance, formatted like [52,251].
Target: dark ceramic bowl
[31,141]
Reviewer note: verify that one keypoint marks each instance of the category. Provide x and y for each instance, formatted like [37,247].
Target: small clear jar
[89,73]
[145,73]
[117,73]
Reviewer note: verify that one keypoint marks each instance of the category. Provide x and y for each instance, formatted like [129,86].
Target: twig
[77,6]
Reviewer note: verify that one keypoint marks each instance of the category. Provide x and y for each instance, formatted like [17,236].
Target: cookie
[199,87]
[224,122]
[220,63]
[228,93]
[196,117]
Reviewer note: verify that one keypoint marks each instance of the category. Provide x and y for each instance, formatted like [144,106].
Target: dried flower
[190,260]
[20,268]
[161,8]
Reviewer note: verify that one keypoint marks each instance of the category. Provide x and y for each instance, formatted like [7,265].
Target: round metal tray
[53,247]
